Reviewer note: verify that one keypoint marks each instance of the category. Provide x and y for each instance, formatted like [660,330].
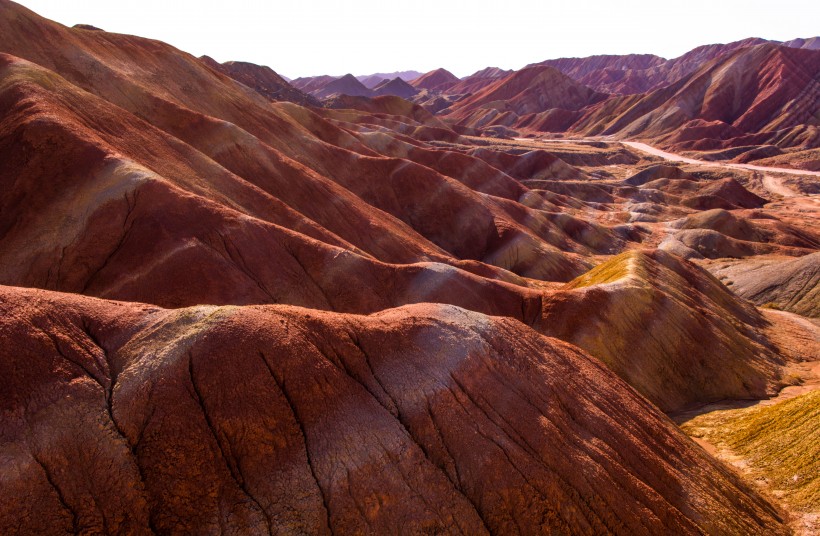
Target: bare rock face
[266,419]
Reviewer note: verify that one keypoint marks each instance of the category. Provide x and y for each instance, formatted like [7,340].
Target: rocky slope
[788,284]
[366,257]
[759,98]
[639,73]
[765,94]
[529,91]
[638,320]
[620,75]
[440,420]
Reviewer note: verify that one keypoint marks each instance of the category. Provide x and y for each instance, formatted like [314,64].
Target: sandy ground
[776,186]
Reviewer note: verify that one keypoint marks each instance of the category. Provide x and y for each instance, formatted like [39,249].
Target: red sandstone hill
[789,284]
[147,207]
[758,95]
[396,87]
[478,80]
[765,94]
[610,73]
[436,80]
[528,91]
[134,171]
[309,84]
[346,85]
[265,419]
[263,80]
[639,73]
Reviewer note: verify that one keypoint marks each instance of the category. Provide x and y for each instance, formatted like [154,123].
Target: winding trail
[773,184]
[672,156]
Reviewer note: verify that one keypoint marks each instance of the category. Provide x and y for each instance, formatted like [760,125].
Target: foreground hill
[671,330]
[480,426]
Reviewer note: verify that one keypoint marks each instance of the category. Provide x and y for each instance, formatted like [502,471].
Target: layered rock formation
[765,94]
[788,284]
[509,100]
[436,80]
[639,73]
[407,327]
[268,419]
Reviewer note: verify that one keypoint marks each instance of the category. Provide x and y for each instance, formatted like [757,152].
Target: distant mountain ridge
[263,80]
[639,73]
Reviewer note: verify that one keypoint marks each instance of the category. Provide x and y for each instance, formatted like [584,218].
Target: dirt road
[676,157]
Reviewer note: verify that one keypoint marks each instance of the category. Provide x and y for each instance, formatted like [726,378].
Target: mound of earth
[719,233]
[659,171]
[266,419]
[668,328]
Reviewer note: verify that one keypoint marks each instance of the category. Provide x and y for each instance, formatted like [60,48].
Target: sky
[312,37]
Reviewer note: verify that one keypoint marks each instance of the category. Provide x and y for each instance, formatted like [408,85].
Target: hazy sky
[309,37]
